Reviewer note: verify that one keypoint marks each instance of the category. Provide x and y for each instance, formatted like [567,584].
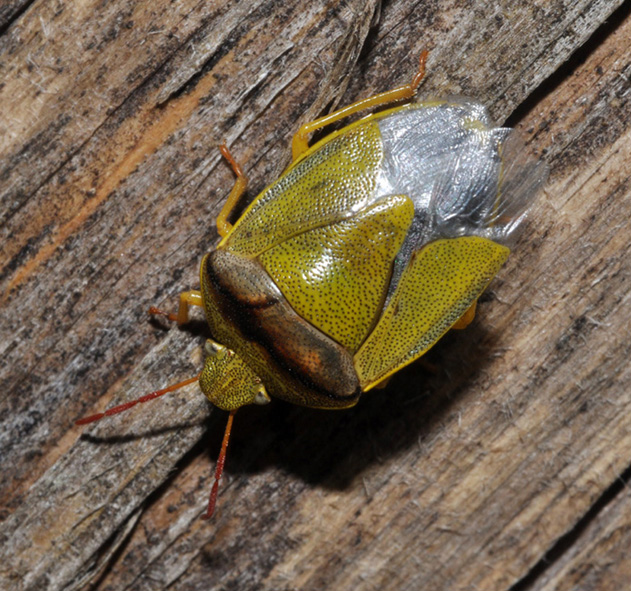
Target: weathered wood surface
[508,468]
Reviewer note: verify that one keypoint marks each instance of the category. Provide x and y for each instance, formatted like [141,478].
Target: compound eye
[261,397]
[214,349]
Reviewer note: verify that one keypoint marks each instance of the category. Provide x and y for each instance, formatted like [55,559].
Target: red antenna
[221,460]
[212,501]
[127,405]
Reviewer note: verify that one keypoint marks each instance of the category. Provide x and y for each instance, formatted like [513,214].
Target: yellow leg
[240,185]
[467,318]
[300,143]
[187,298]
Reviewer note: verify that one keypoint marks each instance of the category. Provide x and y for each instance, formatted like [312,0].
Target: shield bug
[375,242]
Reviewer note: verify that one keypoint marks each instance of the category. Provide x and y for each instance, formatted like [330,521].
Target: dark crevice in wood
[204,68]
[19,258]
[567,541]
[115,109]
[364,50]
[231,41]
[112,548]
[571,65]
[208,443]
[7,18]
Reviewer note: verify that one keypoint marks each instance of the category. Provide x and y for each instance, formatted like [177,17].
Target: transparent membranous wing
[465,176]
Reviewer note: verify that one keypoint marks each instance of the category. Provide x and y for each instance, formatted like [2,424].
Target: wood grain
[505,468]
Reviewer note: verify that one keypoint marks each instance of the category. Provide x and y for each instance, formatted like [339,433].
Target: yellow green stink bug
[374,243]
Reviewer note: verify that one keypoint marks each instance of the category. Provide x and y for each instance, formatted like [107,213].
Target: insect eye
[214,349]
[261,397]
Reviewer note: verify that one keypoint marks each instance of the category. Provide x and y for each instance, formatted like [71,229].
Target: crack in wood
[567,540]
